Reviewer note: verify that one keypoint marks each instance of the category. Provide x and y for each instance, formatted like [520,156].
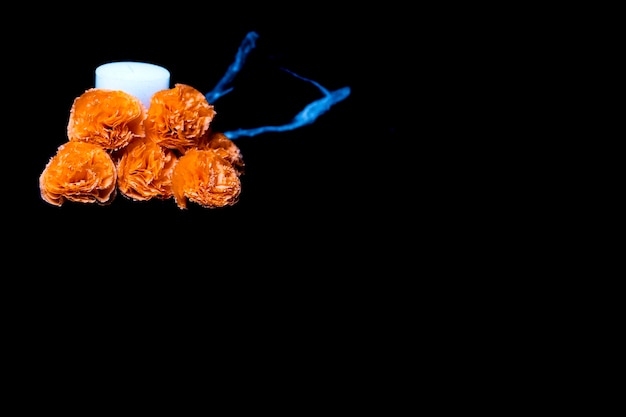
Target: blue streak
[307,116]
[221,88]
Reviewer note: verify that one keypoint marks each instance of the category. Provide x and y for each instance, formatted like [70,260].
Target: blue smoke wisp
[307,116]
[222,88]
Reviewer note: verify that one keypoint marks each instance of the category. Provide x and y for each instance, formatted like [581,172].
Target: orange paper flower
[224,147]
[144,170]
[178,117]
[109,118]
[204,177]
[80,172]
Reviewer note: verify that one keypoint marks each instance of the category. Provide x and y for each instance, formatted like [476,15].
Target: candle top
[139,79]
[132,71]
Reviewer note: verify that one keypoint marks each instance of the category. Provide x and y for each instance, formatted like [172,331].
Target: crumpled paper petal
[109,118]
[224,147]
[178,117]
[144,170]
[80,172]
[205,178]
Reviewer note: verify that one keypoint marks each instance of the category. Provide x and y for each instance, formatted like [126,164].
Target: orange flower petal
[205,178]
[144,170]
[109,118]
[80,172]
[178,117]
[224,147]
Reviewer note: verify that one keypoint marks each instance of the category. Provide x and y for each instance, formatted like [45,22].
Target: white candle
[139,79]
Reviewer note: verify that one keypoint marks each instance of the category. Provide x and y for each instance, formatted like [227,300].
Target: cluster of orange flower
[168,150]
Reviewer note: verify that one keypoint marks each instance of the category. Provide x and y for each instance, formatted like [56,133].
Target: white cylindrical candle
[139,79]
